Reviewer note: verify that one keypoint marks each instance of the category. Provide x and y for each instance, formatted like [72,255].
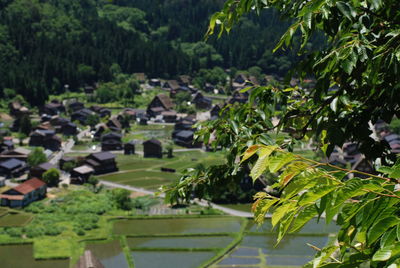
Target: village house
[37,172]
[129,113]
[102,162]
[64,160]
[101,111]
[69,129]
[46,139]
[75,106]
[216,110]
[154,82]
[89,90]
[237,97]
[100,129]
[169,116]
[185,138]
[160,103]
[17,109]
[209,87]
[55,107]
[171,85]
[152,148]
[201,102]
[114,124]
[141,77]
[12,168]
[81,115]
[80,175]
[184,80]
[111,142]
[6,145]
[24,194]
[129,148]
[17,153]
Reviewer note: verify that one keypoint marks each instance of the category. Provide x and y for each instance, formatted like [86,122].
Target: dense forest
[46,44]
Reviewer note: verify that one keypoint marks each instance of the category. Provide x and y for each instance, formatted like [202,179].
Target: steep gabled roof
[166,101]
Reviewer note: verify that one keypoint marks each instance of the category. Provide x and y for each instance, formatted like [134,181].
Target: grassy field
[146,172]
[11,220]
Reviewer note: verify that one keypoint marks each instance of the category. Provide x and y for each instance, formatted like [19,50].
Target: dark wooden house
[169,116]
[103,162]
[76,106]
[129,148]
[111,142]
[201,102]
[17,153]
[46,139]
[160,103]
[12,168]
[185,138]
[81,115]
[80,175]
[152,148]
[38,171]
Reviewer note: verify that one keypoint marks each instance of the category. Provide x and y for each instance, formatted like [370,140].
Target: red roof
[29,186]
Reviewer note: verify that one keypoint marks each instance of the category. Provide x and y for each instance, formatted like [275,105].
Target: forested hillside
[45,44]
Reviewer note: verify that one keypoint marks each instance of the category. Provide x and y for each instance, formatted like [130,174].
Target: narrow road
[203,203]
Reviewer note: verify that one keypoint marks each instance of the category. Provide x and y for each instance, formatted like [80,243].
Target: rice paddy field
[11,219]
[146,173]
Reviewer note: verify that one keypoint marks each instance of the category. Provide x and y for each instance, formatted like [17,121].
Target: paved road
[203,203]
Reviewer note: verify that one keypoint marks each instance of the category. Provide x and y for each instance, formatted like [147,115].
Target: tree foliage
[357,79]
[36,157]
[51,177]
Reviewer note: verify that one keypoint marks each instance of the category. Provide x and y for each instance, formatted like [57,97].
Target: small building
[17,109]
[185,138]
[129,148]
[46,139]
[102,162]
[24,194]
[215,110]
[81,115]
[160,103]
[169,116]
[88,260]
[201,102]
[152,148]
[111,142]
[76,106]
[154,82]
[53,108]
[18,153]
[184,124]
[209,87]
[38,171]
[129,113]
[66,159]
[184,80]
[69,129]
[101,111]
[141,77]
[80,175]
[99,130]
[6,145]
[12,168]
[89,90]
[114,124]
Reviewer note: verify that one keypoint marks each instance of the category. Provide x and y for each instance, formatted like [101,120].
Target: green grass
[142,172]
[54,248]
[11,220]
[240,207]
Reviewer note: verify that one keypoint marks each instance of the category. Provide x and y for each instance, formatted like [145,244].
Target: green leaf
[307,214]
[280,212]
[380,227]
[382,254]
[277,162]
[315,193]
[346,9]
